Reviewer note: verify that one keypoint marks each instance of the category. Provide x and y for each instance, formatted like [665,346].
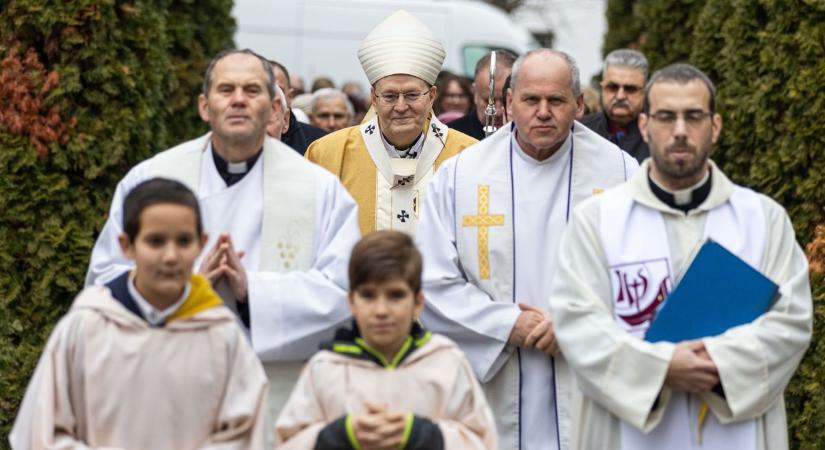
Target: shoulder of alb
[331,143]
[458,140]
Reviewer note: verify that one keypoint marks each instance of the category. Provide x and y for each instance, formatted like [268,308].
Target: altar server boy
[153,359]
[385,382]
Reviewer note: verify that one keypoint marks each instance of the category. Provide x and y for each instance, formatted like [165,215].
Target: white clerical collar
[235,168]
[153,315]
[411,152]
[559,154]
[683,196]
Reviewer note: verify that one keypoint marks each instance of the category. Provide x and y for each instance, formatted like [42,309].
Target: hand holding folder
[719,291]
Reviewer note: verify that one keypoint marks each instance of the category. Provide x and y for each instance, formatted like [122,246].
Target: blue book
[719,291]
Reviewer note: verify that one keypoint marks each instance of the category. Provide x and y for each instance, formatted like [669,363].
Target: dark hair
[680,73]
[282,68]
[270,75]
[441,90]
[322,82]
[504,58]
[382,255]
[157,191]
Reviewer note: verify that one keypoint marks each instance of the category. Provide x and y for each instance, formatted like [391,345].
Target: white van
[315,38]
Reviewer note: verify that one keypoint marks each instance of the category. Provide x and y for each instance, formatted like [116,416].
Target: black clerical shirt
[698,195]
[231,172]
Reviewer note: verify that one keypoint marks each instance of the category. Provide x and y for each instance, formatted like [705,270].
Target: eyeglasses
[390,98]
[692,117]
[629,89]
[327,115]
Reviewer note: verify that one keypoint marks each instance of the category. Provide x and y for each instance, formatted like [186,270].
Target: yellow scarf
[201,297]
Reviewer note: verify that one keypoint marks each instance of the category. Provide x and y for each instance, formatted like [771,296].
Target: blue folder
[719,291]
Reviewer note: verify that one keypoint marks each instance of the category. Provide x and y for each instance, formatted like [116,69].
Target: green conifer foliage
[623,30]
[87,89]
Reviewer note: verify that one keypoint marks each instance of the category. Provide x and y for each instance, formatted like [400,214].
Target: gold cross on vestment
[483,220]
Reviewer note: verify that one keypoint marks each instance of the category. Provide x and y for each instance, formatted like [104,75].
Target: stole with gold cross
[483,221]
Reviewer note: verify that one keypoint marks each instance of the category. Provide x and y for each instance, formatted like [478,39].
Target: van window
[473,52]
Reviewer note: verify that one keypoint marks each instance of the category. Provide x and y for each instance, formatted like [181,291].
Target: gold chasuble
[389,191]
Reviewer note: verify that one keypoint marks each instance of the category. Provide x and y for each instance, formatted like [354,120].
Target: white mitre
[401,44]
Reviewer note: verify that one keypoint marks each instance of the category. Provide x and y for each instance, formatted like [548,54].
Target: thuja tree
[87,89]
[662,30]
[768,58]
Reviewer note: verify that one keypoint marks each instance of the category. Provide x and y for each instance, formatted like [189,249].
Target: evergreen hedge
[87,89]
[767,58]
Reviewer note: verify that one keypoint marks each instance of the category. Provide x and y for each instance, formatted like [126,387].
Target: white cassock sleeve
[292,312]
[242,420]
[302,418]
[622,373]
[46,418]
[756,361]
[455,307]
[108,260]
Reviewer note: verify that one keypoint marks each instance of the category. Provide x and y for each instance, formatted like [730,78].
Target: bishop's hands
[223,262]
[534,329]
[379,428]
[691,369]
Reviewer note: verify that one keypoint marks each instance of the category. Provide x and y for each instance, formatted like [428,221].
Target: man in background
[298,134]
[472,124]
[331,110]
[623,82]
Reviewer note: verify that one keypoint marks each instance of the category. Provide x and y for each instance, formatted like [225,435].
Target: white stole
[637,248]
[276,219]
[485,229]
[399,190]
[288,186]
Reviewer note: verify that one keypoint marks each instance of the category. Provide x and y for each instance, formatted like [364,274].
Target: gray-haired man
[623,82]
[331,110]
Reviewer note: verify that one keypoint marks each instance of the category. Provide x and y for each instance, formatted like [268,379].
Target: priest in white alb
[386,161]
[489,234]
[281,229]
[619,259]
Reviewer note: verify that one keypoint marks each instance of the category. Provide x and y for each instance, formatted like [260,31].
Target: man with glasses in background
[623,81]
[386,161]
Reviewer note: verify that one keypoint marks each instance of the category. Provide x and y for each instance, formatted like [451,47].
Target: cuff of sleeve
[353,441]
[335,435]
[243,312]
[407,430]
[420,433]
[265,315]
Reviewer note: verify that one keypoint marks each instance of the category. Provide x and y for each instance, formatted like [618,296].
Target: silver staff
[490,112]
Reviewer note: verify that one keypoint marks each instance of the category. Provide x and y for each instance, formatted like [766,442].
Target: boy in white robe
[386,382]
[153,359]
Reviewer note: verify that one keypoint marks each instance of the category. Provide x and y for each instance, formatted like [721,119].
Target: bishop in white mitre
[287,225]
[489,234]
[386,162]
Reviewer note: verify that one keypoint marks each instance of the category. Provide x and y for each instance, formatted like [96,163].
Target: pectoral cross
[483,220]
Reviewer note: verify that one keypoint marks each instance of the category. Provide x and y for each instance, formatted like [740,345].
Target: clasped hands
[691,369]
[223,262]
[379,428]
[534,329]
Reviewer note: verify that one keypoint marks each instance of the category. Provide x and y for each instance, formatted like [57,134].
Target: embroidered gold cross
[483,220]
